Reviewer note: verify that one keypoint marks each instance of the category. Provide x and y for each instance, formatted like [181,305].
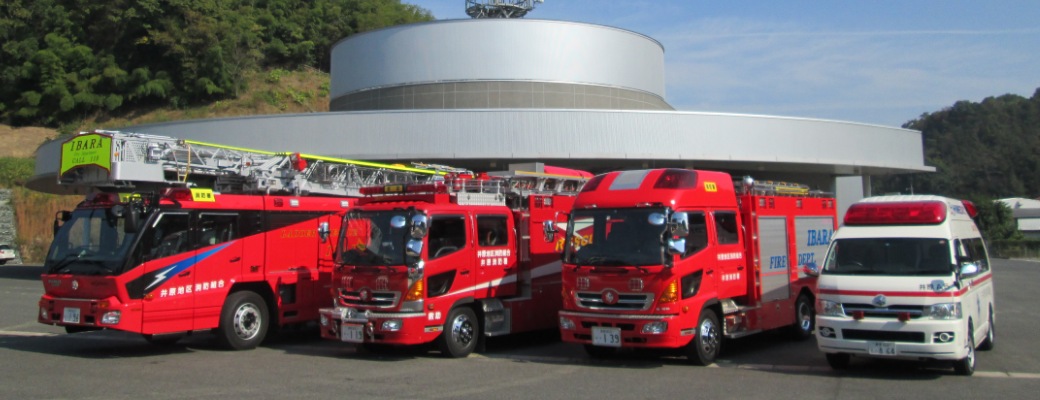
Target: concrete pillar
[848,190]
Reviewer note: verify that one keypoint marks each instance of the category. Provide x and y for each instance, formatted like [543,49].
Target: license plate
[606,336]
[882,349]
[352,333]
[71,315]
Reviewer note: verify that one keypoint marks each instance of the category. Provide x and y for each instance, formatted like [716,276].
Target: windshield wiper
[65,262]
[72,258]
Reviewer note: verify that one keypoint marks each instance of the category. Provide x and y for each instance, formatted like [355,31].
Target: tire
[70,329]
[599,351]
[991,339]
[460,334]
[243,321]
[966,365]
[707,341]
[2,262]
[163,340]
[838,361]
[805,319]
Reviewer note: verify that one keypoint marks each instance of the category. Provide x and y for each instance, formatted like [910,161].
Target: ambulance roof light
[897,213]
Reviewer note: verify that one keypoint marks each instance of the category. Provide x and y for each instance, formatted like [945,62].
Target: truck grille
[380,299]
[626,301]
[890,312]
[886,336]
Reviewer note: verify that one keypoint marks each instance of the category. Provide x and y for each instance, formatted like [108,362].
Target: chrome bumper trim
[616,316]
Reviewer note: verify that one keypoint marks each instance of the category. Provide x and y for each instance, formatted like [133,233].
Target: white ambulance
[906,277]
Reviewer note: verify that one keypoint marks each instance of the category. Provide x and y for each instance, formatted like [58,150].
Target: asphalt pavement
[41,361]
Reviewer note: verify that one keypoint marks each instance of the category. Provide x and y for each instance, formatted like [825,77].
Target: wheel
[991,340]
[70,329]
[599,351]
[163,340]
[460,333]
[838,360]
[966,365]
[805,319]
[2,262]
[243,321]
[707,342]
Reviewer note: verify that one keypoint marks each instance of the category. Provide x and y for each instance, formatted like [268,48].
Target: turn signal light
[415,293]
[671,293]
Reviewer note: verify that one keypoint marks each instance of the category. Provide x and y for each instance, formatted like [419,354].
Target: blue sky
[878,61]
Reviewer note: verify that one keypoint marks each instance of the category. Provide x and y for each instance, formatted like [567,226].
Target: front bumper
[631,325]
[52,312]
[416,327]
[870,330]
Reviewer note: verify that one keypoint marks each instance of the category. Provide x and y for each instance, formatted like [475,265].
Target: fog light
[110,318]
[944,337]
[324,320]
[656,327]
[826,332]
[392,325]
[566,323]
[43,313]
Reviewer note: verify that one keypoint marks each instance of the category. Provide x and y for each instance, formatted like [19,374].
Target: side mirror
[131,219]
[323,232]
[969,269]
[398,221]
[59,218]
[679,224]
[549,231]
[413,248]
[420,226]
[812,269]
[676,246]
[656,219]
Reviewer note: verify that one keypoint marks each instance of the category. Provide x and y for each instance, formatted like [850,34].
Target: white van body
[882,281]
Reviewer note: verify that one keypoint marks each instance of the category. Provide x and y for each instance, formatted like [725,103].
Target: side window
[447,235]
[698,238]
[167,237]
[215,229]
[977,249]
[492,230]
[726,227]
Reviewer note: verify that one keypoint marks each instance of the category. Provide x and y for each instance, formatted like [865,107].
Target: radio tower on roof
[499,8]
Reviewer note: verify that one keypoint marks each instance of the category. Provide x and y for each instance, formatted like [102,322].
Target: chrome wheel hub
[462,330]
[709,337]
[805,317]
[247,321]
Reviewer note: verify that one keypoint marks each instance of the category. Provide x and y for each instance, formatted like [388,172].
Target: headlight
[566,323]
[110,318]
[945,311]
[392,325]
[43,313]
[829,308]
[656,327]
[324,320]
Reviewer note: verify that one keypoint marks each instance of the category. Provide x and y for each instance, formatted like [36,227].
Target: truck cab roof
[658,187]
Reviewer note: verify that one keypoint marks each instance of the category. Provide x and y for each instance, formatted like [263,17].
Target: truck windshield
[91,243]
[615,237]
[370,238]
[890,256]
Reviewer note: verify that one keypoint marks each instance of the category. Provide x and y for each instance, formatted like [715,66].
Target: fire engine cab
[672,258]
[450,261]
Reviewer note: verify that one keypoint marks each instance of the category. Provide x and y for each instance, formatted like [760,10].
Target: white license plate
[352,333]
[71,315]
[606,336]
[882,349]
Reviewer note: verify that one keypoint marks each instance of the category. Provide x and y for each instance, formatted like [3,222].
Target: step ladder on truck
[178,236]
[450,262]
[680,259]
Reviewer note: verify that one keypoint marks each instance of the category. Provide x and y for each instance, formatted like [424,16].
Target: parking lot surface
[41,361]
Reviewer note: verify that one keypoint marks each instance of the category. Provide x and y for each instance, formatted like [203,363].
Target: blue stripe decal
[180,266]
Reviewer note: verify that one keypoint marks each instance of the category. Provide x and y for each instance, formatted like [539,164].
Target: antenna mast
[499,8]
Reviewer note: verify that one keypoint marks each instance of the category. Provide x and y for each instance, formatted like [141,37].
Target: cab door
[496,259]
[326,260]
[292,261]
[168,278]
[699,252]
[449,255]
[731,271]
[218,261]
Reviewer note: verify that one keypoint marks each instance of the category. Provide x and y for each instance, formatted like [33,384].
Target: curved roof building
[485,93]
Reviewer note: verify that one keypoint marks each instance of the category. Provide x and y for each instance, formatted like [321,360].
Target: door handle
[741,268]
[236,259]
[464,273]
[183,274]
[710,272]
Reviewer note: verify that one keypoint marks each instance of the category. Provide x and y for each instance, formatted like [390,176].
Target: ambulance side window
[492,230]
[977,252]
[697,240]
[726,227]
[215,229]
[447,235]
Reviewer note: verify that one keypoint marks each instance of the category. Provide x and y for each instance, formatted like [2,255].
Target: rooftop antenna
[499,8]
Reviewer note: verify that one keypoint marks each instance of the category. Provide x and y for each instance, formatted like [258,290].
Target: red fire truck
[450,261]
[672,258]
[173,258]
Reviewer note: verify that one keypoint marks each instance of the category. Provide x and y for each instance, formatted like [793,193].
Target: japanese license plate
[71,315]
[606,336]
[882,349]
[352,333]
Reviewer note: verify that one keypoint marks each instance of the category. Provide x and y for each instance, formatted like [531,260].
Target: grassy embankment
[270,92]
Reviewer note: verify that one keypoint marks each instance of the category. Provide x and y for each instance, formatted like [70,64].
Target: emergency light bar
[897,213]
